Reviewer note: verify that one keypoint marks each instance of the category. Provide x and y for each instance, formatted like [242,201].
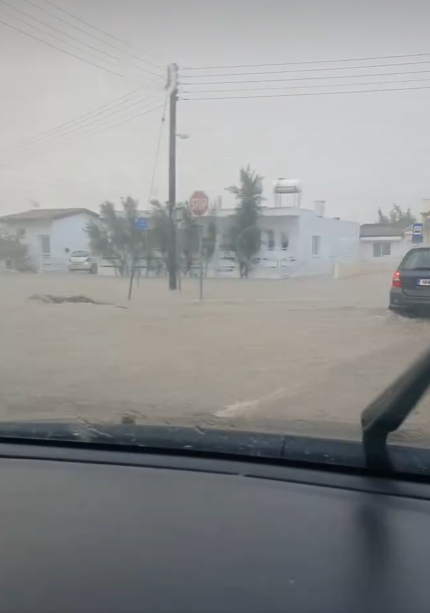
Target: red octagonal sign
[199,203]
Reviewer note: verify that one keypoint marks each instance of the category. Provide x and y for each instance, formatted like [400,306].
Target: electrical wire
[55,29]
[51,14]
[59,49]
[363,91]
[250,89]
[157,153]
[122,107]
[354,59]
[106,129]
[252,74]
[329,77]
[103,32]
[97,57]
[77,119]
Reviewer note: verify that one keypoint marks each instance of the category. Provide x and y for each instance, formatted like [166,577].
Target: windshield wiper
[389,410]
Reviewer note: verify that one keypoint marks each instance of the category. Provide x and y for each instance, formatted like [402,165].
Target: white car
[82,261]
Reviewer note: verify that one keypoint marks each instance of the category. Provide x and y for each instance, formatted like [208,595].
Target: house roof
[379,229]
[46,214]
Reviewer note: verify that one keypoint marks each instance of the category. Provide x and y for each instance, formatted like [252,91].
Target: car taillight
[396,280]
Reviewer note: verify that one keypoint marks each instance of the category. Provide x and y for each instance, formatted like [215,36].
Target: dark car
[410,287]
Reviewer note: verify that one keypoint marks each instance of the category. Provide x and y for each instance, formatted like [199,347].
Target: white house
[384,242]
[295,242]
[50,234]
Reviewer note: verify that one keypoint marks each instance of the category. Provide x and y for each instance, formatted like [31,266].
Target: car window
[80,254]
[420,258]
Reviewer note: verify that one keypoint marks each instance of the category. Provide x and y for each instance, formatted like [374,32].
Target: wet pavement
[298,353]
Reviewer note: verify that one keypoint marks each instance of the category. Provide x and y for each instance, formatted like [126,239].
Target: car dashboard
[94,530]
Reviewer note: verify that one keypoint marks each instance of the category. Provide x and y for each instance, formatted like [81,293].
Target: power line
[106,129]
[329,77]
[251,74]
[157,153]
[103,32]
[59,48]
[55,29]
[77,119]
[50,13]
[354,59]
[122,107]
[64,34]
[250,89]
[363,91]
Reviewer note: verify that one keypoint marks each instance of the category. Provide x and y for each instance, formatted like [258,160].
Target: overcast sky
[357,152]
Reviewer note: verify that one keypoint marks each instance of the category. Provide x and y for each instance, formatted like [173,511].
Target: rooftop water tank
[287,186]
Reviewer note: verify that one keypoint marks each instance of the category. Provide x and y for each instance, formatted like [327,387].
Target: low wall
[344,270]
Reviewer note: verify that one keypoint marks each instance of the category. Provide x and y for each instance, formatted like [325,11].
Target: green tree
[14,253]
[245,235]
[188,239]
[116,237]
[382,219]
[397,216]
[209,243]
[160,234]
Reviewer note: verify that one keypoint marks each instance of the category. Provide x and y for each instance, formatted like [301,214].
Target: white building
[50,234]
[295,242]
[384,242]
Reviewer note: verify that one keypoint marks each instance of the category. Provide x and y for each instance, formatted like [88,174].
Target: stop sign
[199,203]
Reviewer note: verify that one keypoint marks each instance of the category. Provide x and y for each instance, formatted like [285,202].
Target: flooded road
[312,351]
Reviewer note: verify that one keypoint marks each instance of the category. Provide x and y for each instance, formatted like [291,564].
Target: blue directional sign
[417,233]
[141,223]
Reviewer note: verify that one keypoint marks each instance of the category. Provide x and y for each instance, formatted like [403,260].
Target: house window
[284,241]
[270,240]
[316,246]
[45,244]
[381,249]
[21,234]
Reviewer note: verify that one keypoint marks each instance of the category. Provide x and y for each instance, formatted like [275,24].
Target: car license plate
[424,282]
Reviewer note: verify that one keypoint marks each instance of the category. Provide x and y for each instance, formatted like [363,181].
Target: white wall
[33,230]
[67,233]
[278,262]
[339,242]
[399,248]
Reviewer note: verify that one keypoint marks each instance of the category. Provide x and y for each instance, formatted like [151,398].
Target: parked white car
[82,261]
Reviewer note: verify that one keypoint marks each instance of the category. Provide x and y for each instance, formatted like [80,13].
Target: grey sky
[357,152]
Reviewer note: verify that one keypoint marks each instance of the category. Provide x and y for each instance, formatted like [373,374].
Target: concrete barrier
[345,270]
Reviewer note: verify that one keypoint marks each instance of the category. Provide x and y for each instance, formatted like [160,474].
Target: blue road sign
[141,223]
[417,233]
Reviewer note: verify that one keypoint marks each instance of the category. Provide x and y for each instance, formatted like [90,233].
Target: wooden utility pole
[171,256]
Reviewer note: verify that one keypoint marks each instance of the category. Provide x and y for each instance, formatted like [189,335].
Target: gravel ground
[298,354]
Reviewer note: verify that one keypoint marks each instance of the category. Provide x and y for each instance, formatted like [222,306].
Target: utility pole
[172,82]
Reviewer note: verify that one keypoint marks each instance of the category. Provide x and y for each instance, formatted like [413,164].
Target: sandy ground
[255,354]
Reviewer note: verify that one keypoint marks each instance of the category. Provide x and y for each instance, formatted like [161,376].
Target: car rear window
[420,258]
[80,254]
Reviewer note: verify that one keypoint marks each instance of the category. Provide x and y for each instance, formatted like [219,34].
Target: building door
[44,251]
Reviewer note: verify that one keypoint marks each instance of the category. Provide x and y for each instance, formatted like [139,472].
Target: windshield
[201,213]
[417,259]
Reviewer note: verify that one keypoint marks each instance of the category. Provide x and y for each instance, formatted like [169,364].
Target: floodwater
[297,353]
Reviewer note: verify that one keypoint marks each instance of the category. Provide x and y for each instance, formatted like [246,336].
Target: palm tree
[245,234]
